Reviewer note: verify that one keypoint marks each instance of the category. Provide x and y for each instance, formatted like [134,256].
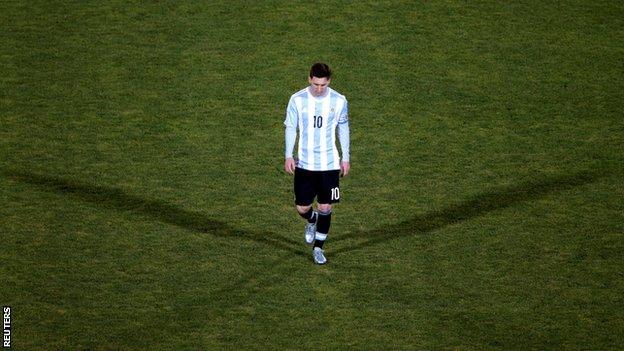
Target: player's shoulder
[336,94]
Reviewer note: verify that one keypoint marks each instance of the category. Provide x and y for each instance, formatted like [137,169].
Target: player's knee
[303,209]
[325,208]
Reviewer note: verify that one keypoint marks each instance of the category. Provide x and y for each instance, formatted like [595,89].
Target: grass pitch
[145,206]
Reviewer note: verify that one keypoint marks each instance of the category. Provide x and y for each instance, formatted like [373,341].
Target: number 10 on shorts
[335,193]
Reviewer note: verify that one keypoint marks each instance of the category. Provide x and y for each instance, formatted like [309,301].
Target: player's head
[320,76]
[320,70]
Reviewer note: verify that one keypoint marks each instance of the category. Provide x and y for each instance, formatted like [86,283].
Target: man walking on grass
[317,111]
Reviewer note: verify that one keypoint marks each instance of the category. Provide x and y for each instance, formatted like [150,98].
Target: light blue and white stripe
[317,145]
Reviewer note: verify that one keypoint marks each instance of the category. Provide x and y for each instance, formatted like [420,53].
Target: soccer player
[317,111]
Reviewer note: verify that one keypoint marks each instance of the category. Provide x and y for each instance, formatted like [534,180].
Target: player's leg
[310,216]
[329,193]
[307,213]
[304,196]
[322,229]
[322,224]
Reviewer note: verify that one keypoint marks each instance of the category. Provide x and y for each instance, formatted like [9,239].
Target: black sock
[322,228]
[319,243]
[311,216]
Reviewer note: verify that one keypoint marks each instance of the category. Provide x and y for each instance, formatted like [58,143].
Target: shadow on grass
[117,199]
[239,290]
[474,207]
[420,224]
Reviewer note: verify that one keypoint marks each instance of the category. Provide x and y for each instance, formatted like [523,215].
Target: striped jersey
[316,118]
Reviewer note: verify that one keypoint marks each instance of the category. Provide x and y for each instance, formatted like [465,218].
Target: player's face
[318,86]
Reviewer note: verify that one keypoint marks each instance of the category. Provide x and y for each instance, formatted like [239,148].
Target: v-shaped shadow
[476,206]
[117,199]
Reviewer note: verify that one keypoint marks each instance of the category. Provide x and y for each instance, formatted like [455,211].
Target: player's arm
[289,163]
[343,137]
[290,135]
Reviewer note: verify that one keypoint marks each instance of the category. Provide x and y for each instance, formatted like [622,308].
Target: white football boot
[319,256]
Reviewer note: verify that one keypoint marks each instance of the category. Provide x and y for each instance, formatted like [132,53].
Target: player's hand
[289,165]
[344,168]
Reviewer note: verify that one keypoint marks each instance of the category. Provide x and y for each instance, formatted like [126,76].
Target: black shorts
[323,185]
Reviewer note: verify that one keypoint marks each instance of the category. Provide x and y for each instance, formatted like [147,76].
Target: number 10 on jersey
[318,121]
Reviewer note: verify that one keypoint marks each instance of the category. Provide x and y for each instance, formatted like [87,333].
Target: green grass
[144,205]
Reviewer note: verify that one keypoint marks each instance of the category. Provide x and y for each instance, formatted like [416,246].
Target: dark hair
[320,70]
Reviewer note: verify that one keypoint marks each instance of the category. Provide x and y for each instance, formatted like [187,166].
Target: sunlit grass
[145,205]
